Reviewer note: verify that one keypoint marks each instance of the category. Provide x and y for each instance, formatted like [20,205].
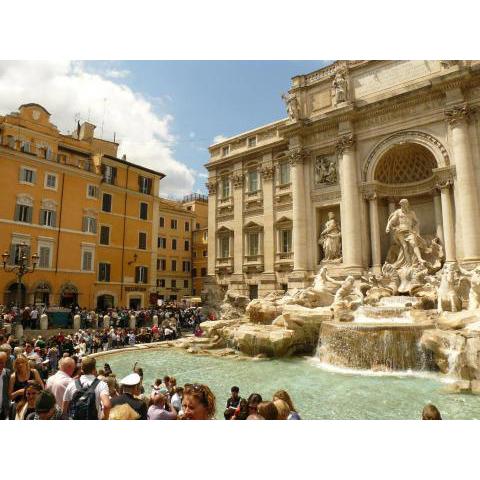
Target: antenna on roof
[114,134]
[103,118]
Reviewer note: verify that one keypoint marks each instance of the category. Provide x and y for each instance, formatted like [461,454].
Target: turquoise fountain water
[319,392]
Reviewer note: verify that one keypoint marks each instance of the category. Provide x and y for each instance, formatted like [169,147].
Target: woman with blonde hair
[26,405]
[123,412]
[21,377]
[283,395]
[282,408]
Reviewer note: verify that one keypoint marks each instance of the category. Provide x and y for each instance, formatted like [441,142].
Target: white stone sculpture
[410,254]
[474,294]
[331,240]
[291,102]
[321,282]
[76,322]
[340,88]
[448,292]
[347,299]
[325,170]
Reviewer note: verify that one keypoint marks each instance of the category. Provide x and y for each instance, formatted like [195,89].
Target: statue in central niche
[410,254]
[404,224]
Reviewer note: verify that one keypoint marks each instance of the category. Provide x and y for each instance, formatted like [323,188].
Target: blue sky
[209,98]
[163,114]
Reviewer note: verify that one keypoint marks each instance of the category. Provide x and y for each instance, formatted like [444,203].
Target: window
[205,236]
[173,224]
[205,253]
[143,210]
[253,243]
[144,184]
[197,226]
[142,240]
[185,284]
[161,282]
[89,225]
[173,283]
[187,226]
[204,272]
[252,142]
[186,245]
[11,141]
[50,181]
[141,275]
[285,241]
[225,188]
[87,260]
[194,272]
[284,173]
[174,243]
[194,253]
[163,264]
[174,265]
[26,147]
[224,247]
[44,254]
[107,202]
[185,266]
[109,174]
[92,191]
[162,222]
[47,218]
[225,150]
[16,250]
[252,181]
[104,235]
[162,242]
[103,272]
[23,213]
[28,175]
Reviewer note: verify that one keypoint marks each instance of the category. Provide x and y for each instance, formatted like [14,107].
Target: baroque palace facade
[94,219]
[317,188]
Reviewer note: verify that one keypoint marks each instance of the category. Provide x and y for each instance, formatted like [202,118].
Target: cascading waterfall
[380,338]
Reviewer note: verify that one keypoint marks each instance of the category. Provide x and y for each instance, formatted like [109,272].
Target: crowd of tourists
[68,385]
[185,316]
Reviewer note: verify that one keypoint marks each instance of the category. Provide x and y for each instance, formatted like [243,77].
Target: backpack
[83,406]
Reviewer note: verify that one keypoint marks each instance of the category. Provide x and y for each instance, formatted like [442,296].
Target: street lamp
[20,269]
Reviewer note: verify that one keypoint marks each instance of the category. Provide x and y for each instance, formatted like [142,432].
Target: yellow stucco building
[92,218]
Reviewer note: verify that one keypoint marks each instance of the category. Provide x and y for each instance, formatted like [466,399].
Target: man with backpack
[87,398]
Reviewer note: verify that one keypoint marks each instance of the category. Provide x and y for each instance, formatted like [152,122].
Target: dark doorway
[104,302]
[253,291]
[134,303]
[11,295]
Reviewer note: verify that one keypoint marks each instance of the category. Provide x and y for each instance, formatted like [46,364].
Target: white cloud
[219,138]
[67,89]
[202,175]
[114,73]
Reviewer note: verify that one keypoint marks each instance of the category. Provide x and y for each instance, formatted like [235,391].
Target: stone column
[212,234]
[268,278]
[375,232]
[437,210]
[297,157]
[448,221]
[350,207]
[468,204]
[237,182]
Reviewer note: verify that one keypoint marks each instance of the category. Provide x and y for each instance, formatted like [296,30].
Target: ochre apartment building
[94,219]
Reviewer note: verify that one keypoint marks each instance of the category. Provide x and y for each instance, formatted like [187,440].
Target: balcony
[253,264]
[224,265]
[284,261]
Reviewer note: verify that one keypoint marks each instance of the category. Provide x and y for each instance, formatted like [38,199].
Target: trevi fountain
[386,342]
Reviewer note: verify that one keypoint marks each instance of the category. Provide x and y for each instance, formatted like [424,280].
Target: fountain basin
[374,346]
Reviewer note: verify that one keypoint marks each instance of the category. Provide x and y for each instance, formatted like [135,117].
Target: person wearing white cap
[131,389]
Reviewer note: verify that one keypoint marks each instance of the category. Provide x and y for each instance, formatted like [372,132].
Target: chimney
[86,131]
[124,157]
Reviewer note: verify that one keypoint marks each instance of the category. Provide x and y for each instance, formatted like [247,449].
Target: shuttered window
[89,224]
[103,272]
[48,218]
[44,257]
[141,274]
[23,213]
[107,202]
[104,235]
[144,184]
[143,210]
[142,240]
